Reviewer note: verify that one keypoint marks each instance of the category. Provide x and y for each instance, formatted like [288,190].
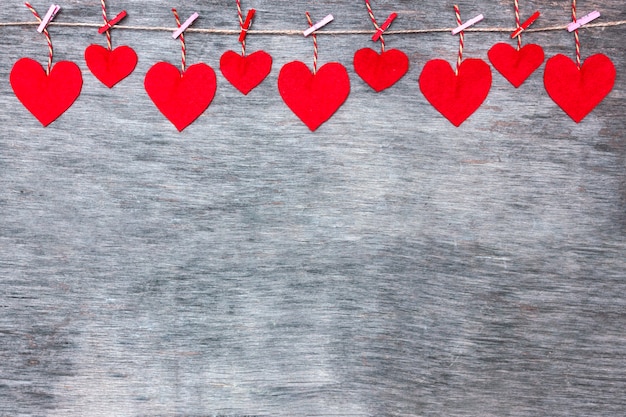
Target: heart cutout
[182,98]
[245,72]
[110,66]
[46,96]
[516,66]
[578,91]
[380,71]
[456,97]
[314,98]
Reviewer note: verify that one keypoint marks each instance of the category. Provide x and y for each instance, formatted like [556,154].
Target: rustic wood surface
[387,264]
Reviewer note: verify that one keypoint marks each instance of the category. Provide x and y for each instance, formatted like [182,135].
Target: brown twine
[321,32]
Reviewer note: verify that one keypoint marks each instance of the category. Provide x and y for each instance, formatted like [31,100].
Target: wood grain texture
[387,264]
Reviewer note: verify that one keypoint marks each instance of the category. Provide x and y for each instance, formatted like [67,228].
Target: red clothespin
[384,26]
[525,25]
[112,22]
[246,25]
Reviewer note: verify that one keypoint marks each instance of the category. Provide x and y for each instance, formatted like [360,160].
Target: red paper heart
[516,65]
[578,91]
[181,97]
[314,98]
[46,96]
[245,72]
[110,67]
[383,70]
[456,97]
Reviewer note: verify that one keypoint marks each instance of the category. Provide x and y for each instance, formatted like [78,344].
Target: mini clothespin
[583,21]
[185,25]
[246,25]
[318,25]
[526,24]
[467,24]
[52,11]
[384,26]
[110,23]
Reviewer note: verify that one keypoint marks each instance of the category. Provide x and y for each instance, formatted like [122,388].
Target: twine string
[314,35]
[517,25]
[106,21]
[182,42]
[371,14]
[297,32]
[240,15]
[45,32]
[576,38]
[461,39]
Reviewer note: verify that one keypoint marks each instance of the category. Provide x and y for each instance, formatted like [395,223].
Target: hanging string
[461,39]
[108,32]
[240,15]
[297,32]
[45,32]
[517,25]
[576,38]
[371,13]
[182,42]
[308,18]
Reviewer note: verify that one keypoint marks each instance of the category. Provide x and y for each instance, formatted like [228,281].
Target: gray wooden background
[387,264]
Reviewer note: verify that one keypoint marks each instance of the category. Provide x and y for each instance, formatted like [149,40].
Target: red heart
[578,91]
[380,71]
[245,72]
[516,65]
[110,67]
[314,98]
[181,97]
[46,96]
[456,97]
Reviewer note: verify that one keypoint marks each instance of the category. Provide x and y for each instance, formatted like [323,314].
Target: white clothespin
[318,25]
[185,25]
[467,24]
[583,21]
[52,11]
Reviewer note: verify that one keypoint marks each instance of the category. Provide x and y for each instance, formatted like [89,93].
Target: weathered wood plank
[387,264]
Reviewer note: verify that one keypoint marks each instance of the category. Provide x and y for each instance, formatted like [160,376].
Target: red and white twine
[45,32]
[576,38]
[308,18]
[240,15]
[517,25]
[461,39]
[182,42]
[371,14]
[106,21]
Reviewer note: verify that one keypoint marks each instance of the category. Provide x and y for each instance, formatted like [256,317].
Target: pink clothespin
[112,22]
[384,26]
[185,25]
[52,11]
[246,25]
[525,25]
[318,25]
[583,21]
[467,24]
